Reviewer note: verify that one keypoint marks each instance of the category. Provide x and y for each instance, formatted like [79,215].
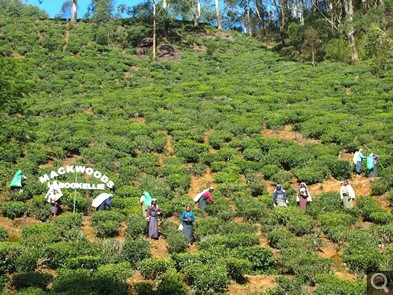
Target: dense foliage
[161,127]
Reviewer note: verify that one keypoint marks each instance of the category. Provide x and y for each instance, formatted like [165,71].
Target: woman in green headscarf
[145,201]
[17,182]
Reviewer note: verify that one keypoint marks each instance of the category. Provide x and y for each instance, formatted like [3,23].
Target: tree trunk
[154,30]
[198,13]
[74,16]
[348,6]
[260,15]
[249,22]
[218,16]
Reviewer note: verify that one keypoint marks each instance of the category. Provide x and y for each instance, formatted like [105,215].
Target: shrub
[339,169]
[362,258]
[107,229]
[325,202]
[56,254]
[15,209]
[31,279]
[329,284]
[153,268]
[41,209]
[82,204]
[288,285]
[260,258]
[278,238]
[237,228]
[310,174]
[379,187]
[171,283]
[269,170]
[9,253]
[207,277]
[301,225]
[136,250]
[119,272]
[39,234]
[304,263]
[3,234]
[237,268]
[372,212]
[176,242]
[32,291]
[381,217]
[68,224]
[229,241]
[184,260]
[144,288]
[136,226]
[27,261]
[383,233]
[102,216]
[81,281]
[87,262]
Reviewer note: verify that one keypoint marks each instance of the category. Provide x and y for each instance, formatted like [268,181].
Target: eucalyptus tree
[74,14]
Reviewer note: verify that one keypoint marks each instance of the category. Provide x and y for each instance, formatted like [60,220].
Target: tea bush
[3,234]
[136,250]
[87,262]
[82,281]
[31,279]
[14,209]
[171,283]
[229,241]
[56,254]
[305,263]
[27,260]
[38,235]
[237,268]
[176,242]
[362,258]
[288,285]
[136,226]
[106,229]
[207,277]
[144,288]
[184,260]
[153,268]
[9,253]
[119,272]
[260,258]
[329,284]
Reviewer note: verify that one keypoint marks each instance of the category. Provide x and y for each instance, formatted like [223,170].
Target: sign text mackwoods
[51,176]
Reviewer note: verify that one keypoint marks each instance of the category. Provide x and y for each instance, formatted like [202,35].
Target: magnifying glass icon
[379,281]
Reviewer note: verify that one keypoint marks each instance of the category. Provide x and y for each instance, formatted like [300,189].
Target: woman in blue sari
[187,220]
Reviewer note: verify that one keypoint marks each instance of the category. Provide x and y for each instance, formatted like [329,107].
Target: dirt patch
[15,226]
[328,249]
[257,283]
[88,229]
[199,183]
[158,248]
[287,134]
[169,150]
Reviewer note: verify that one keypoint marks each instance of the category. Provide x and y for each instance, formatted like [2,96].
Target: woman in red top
[206,196]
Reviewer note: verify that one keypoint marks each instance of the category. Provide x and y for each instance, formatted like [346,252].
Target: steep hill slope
[227,113]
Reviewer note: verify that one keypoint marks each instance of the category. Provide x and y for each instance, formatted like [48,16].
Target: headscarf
[146,200]
[17,180]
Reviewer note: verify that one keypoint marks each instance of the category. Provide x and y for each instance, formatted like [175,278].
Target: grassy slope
[100,105]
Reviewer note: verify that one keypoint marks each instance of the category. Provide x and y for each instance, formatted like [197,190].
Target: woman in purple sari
[153,213]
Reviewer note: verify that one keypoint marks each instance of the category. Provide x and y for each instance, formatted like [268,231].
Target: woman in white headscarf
[347,194]
[303,196]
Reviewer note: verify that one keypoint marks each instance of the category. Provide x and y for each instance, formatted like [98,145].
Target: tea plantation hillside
[77,95]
